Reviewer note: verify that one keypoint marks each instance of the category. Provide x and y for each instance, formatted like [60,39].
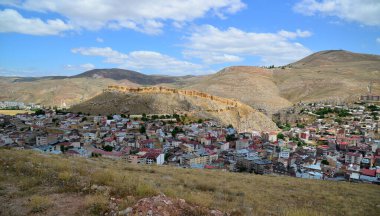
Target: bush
[96,204]
[39,203]
[145,190]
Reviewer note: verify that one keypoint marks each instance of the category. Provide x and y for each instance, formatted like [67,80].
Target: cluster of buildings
[320,147]
[18,105]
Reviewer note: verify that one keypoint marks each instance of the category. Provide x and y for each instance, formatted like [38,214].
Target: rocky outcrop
[161,89]
[164,206]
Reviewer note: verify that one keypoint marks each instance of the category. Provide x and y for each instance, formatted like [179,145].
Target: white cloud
[232,44]
[82,67]
[12,21]
[366,12]
[296,34]
[143,60]
[111,55]
[99,40]
[378,40]
[144,15]
[211,57]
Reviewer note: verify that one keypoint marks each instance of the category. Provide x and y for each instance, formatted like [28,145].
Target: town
[327,142]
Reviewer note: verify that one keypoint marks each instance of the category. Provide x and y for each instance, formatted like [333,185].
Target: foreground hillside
[241,116]
[39,184]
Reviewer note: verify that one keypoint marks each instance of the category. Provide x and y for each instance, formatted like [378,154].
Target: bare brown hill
[55,91]
[329,75]
[159,100]
[251,85]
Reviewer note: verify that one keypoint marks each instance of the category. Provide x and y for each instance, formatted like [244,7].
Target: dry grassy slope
[66,183]
[242,118]
[326,75]
[52,92]
[337,75]
[251,85]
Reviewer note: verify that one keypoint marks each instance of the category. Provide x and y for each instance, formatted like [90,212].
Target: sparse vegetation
[39,203]
[34,175]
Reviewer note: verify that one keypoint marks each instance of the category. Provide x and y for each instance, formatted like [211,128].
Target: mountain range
[327,75]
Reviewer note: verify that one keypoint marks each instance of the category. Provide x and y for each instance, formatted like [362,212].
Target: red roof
[368,172]
[353,154]
[210,167]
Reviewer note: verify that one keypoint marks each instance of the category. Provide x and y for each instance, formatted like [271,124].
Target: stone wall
[231,103]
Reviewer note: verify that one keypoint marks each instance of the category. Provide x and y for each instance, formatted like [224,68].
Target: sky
[177,37]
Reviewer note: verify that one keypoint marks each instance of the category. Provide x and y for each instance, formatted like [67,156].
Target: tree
[108,148]
[176,130]
[280,136]
[200,121]
[325,162]
[230,137]
[142,129]
[62,147]
[39,112]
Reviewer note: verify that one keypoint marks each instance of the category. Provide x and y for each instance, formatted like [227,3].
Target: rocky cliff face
[160,100]
[161,89]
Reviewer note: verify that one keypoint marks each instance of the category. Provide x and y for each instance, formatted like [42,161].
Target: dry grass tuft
[39,203]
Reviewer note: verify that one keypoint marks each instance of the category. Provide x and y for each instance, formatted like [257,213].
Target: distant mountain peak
[123,74]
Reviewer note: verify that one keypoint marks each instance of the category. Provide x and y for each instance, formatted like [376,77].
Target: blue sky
[177,37]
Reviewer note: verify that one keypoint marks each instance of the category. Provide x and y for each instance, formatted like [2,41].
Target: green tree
[142,129]
[280,136]
[176,130]
[62,147]
[325,162]
[39,112]
[108,148]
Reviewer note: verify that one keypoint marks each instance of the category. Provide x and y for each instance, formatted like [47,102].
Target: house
[322,150]
[133,159]
[262,166]
[206,141]
[41,140]
[187,147]
[368,175]
[223,146]
[242,144]
[88,137]
[155,158]
[353,158]
[284,153]
[272,137]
